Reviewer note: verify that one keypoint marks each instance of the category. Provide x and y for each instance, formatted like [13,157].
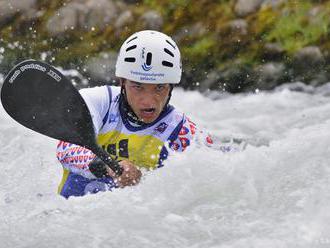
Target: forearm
[75,158]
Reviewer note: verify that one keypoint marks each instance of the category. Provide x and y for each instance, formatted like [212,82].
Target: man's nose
[149,98]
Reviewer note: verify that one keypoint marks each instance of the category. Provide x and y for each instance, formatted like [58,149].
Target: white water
[275,193]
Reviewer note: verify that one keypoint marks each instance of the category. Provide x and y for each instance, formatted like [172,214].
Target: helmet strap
[126,108]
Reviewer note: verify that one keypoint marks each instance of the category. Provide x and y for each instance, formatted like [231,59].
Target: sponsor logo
[147,76]
[24,68]
[146,67]
[161,127]
[33,67]
[54,75]
[14,76]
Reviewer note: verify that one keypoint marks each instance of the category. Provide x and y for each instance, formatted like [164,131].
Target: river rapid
[274,193]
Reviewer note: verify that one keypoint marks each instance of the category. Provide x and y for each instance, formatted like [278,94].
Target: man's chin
[148,119]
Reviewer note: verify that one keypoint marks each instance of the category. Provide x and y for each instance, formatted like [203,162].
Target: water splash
[275,193]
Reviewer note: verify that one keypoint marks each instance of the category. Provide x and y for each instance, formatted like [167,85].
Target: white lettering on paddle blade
[54,75]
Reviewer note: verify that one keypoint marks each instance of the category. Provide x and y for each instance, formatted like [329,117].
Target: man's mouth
[148,112]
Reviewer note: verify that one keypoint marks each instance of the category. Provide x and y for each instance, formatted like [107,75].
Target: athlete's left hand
[131,174]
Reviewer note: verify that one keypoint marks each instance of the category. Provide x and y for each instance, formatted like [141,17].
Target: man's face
[146,100]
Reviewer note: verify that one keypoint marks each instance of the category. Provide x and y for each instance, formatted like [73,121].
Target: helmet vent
[170,44]
[130,59]
[168,52]
[149,58]
[168,64]
[131,39]
[130,48]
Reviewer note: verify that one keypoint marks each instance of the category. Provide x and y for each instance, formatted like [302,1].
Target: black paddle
[39,97]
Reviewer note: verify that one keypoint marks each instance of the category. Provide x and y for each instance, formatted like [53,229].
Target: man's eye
[160,87]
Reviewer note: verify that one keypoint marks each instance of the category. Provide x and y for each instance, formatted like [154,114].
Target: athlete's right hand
[131,174]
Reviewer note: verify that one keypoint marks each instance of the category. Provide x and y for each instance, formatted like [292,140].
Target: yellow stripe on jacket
[142,150]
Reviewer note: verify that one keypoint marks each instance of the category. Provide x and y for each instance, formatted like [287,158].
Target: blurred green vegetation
[296,27]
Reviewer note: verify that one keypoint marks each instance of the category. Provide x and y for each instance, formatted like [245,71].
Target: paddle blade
[39,97]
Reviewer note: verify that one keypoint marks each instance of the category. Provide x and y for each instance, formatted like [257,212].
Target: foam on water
[275,193]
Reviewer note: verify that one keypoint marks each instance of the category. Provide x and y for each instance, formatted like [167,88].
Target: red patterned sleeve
[188,134]
[75,158]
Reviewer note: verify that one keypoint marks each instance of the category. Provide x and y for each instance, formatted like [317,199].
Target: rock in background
[233,45]
[10,9]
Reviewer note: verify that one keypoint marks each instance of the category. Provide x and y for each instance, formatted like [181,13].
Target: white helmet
[149,57]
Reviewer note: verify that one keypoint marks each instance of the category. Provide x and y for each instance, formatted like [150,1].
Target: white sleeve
[98,103]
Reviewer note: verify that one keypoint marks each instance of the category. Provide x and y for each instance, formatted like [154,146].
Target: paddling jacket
[146,146]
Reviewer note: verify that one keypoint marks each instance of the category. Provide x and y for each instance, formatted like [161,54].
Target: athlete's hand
[131,174]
